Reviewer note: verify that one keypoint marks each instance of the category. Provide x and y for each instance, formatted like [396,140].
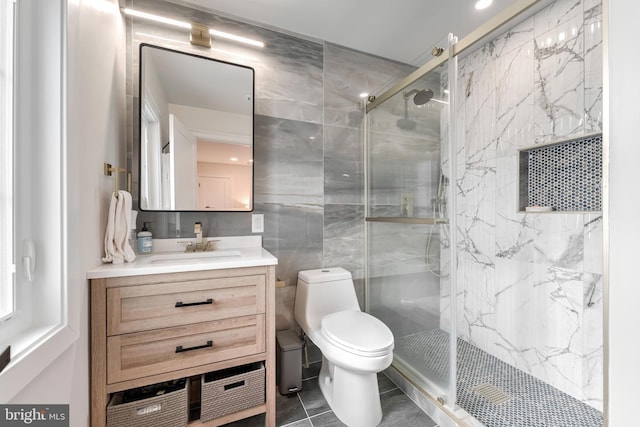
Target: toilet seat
[358,333]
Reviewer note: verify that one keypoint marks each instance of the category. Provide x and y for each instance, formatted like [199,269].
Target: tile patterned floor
[531,403]
[308,408]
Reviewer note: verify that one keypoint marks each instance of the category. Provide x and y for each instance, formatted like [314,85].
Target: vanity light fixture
[200,34]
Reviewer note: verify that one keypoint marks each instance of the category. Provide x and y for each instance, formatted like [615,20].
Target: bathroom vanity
[174,315]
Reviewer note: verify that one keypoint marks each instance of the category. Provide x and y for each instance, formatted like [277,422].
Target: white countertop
[229,252]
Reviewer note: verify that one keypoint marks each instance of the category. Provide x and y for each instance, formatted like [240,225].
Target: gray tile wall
[309,177]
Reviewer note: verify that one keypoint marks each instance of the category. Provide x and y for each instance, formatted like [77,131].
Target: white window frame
[39,330]
[7,286]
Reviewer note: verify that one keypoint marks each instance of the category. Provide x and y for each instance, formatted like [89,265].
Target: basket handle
[234,385]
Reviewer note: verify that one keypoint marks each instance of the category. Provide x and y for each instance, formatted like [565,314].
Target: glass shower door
[408,284]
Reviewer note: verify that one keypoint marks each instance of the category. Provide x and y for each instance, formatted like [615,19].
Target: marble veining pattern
[559,80]
[529,288]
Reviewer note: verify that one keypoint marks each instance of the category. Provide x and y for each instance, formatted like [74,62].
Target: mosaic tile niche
[566,176]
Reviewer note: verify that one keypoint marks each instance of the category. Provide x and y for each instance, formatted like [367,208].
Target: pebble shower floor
[530,402]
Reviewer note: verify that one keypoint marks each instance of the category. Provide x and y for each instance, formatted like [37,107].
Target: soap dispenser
[145,241]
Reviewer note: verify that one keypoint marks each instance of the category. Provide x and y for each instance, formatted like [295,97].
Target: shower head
[422,96]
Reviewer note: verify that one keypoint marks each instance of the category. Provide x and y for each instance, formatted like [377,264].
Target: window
[32,170]
[7,300]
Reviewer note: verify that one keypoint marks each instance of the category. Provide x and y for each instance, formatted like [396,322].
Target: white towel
[116,237]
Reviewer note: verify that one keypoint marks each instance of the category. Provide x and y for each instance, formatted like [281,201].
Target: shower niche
[564,176]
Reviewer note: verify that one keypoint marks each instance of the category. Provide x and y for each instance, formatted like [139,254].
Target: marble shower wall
[308,165]
[530,288]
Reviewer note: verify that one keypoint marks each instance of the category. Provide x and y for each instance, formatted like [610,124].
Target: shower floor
[532,402]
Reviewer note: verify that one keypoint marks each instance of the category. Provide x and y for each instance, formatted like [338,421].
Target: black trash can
[289,362]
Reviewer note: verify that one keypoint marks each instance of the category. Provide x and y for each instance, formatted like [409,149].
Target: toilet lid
[357,332]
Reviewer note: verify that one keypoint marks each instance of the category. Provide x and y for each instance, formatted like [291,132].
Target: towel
[116,237]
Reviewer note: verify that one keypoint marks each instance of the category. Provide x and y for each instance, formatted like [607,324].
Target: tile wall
[309,180]
[530,288]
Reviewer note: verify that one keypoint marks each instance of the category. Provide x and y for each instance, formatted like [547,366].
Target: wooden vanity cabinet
[148,329]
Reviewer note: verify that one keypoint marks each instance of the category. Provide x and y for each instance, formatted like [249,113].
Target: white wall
[624,208]
[95,134]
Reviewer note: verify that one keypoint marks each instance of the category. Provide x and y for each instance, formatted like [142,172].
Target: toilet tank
[321,292]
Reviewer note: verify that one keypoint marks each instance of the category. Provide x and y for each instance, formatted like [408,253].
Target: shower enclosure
[495,308]
[409,226]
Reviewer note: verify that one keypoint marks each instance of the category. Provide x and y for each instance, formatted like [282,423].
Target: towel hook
[108,170]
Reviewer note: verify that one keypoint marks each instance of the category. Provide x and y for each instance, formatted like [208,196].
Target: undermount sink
[182,257]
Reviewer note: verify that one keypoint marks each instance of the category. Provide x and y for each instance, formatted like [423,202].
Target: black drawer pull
[179,348]
[189,304]
[234,385]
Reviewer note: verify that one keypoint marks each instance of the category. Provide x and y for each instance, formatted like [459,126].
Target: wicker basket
[170,409]
[232,390]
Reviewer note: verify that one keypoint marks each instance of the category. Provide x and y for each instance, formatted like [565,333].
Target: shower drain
[492,393]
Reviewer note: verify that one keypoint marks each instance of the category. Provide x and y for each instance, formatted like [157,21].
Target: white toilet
[355,345]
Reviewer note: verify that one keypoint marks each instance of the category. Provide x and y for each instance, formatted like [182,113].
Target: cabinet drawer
[142,354]
[163,305]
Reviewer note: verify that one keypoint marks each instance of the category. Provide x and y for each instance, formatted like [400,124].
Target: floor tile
[312,398]
[530,401]
[385,384]
[399,411]
[301,423]
[327,419]
[309,408]
[288,409]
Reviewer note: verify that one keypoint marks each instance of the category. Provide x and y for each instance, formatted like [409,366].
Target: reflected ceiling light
[156,18]
[483,4]
[234,159]
[233,37]
[197,28]
[364,95]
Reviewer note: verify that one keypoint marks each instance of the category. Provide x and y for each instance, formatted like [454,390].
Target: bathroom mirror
[196,133]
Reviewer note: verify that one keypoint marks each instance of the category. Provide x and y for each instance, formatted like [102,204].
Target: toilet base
[353,397]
